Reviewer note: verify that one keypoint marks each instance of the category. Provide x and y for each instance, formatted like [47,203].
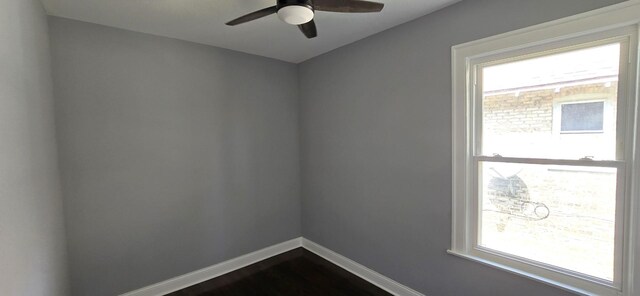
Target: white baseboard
[219,269]
[362,271]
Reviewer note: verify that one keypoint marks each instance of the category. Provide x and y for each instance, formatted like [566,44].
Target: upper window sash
[623,36]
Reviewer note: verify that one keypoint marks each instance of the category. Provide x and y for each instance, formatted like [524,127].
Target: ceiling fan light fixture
[301,12]
[295,14]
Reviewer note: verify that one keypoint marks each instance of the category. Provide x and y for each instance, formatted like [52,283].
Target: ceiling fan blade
[347,6]
[254,15]
[309,29]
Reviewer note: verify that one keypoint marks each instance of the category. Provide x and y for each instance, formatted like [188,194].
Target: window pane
[555,106]
[582,117]
[558,215]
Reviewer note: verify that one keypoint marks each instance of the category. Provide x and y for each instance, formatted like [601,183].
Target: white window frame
[618,22]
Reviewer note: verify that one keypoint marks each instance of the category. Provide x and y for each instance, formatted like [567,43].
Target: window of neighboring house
[582,117]
[543,178]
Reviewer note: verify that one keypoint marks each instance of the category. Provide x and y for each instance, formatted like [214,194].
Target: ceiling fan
[301,12]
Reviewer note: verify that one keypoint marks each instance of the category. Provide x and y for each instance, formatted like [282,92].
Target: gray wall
[174,156]
[32,247]
[376,146]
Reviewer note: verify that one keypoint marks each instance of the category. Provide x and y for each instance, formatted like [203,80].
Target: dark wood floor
[298,272]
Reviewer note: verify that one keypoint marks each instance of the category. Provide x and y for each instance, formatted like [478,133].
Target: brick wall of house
[532,111]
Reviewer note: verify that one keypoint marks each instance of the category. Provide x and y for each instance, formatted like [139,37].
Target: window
[557,214]
[543,152]
[582,117]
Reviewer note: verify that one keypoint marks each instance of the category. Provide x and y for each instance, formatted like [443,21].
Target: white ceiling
[203,21]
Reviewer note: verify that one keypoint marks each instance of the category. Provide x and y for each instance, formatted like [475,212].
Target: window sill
[522,273]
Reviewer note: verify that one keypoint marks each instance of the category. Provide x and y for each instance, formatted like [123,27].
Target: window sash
[623,37]
[482,252]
